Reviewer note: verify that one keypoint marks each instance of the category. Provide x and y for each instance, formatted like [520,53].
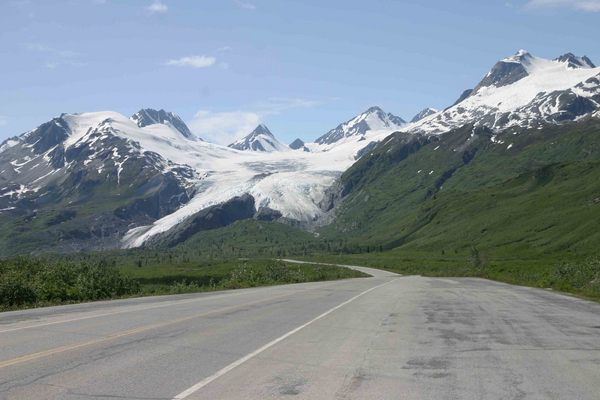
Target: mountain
[148,116]
[81,181]
[574,62]
[532,192]
[260,139]
[101,180]
[296,144]
[373,119]
[523,91]
[423,113]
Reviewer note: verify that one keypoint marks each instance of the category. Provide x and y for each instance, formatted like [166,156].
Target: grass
[580,277]
[232,274]
[32,282]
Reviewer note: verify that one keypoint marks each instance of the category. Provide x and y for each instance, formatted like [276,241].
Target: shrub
[28,281]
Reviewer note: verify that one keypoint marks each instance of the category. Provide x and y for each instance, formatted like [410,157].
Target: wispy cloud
[56,57]
[581,5]
[224,127]
[3,120]
[157,7]
[193,61]
[245,5]
[276,105]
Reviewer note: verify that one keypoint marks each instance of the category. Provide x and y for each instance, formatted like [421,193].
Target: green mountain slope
[531,192]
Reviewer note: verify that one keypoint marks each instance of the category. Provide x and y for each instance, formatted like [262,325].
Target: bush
[273,272]
[583,275]
[27,281]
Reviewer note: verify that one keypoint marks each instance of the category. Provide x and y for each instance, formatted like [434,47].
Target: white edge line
[193,389]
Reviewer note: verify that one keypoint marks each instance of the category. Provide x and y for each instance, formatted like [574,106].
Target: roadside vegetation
[579,276]
[34,282]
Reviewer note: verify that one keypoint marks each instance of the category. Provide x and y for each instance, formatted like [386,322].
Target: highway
[383,337]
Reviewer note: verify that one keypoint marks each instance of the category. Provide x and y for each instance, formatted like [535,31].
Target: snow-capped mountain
[100,179]
[373,119]
[88,177]
[260,139]
[148,116]
[143,181]
[575,62]
[523,91]
[426,112]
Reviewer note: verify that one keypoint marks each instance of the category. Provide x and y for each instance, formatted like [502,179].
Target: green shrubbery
[273,272]
[27,281]
[583,276]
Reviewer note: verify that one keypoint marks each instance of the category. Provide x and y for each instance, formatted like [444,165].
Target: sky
[299,66]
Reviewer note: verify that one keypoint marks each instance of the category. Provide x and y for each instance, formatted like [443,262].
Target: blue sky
[300,66]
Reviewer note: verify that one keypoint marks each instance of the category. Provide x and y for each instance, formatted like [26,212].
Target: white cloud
[193,61]
[3,120]
[157,7]
[245,5]
[224,127]
[276,105]
[581,5]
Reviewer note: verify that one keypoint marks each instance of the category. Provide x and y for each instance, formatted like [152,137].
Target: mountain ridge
[141,177]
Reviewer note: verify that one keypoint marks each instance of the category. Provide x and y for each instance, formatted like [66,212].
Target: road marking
[175,303]
[134,308]
[188,392]
[374,272]
[46,353]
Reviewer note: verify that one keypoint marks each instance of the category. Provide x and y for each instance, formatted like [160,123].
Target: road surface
[384,337]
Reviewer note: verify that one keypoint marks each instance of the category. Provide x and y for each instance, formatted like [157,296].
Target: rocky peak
[260,139]
[423,114]
[507,71]
[574,62]
[149,116]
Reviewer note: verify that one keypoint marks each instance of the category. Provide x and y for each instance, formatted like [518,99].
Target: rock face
[507,71]
[148,116]
[573,61]
[296,144]
[217,216]
[260,139]
[371,120]
[462,96]
[267,214]
[423,114]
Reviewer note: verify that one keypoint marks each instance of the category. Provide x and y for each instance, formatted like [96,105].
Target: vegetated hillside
[512,193]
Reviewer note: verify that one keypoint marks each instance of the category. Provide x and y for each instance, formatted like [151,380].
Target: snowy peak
[520,57]
[149,116]
[524,91]
[423,114]
[373,119]
[260,139]
[507,71]
[573,61]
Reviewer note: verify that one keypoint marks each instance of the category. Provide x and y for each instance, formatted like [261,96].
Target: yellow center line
[62,349]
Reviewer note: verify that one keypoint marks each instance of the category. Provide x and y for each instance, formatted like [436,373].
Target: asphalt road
[385,337]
